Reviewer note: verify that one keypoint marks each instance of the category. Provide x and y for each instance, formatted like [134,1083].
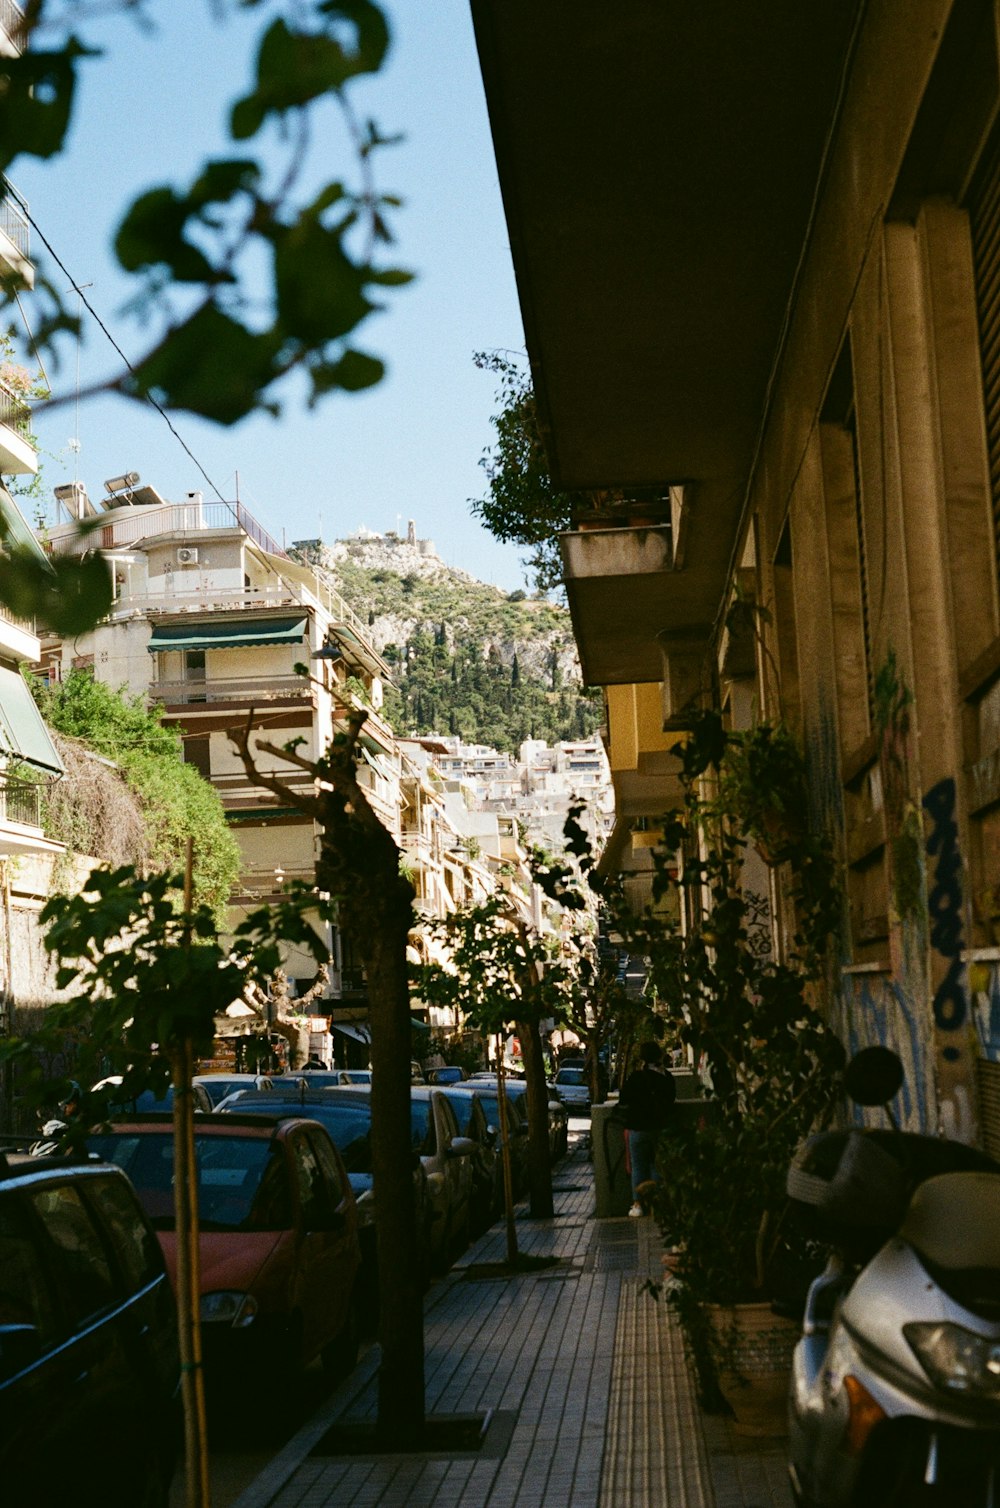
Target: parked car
[220,1085]
[89,1366]
[346,1116]
[571,1086]
[445,1157]
[449,1074]
[279,1233]
[147,1103]
[486,1094]
[558,1119]
[486,1199]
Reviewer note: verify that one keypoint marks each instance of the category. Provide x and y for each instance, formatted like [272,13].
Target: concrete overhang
[617,581]
[658,164]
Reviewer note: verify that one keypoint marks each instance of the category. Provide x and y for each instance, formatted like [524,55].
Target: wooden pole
[508,1182]
[188,1275]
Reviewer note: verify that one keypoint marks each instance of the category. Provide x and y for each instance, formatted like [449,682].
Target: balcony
[617,582]
[243,689]
[15,236]
[17,451]
[21,820]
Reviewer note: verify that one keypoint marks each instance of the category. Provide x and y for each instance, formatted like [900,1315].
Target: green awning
[240,633]
[23,735]
[17,530]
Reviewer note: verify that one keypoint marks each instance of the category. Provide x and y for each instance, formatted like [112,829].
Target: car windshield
[349,1126]
[218,1088]
[242,1180]
[569,1076]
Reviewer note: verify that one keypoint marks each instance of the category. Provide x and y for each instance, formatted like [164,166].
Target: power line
[117,348]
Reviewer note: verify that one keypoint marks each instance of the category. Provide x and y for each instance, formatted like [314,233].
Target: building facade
[788,373]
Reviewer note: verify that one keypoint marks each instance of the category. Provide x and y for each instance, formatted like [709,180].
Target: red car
[279,1233]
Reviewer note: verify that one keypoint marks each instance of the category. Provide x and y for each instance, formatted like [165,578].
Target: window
[135,1246]
[315,1196]
[86,1282]
[25,1298]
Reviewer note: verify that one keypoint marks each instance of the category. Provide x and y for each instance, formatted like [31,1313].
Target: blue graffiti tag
[945,906]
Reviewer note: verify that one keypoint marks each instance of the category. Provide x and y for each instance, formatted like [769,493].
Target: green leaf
[152,235]
[372,30]
[224,178]
[295,67]
[391,277]
[353,372]
[37,101]
[211,365]
[320,290]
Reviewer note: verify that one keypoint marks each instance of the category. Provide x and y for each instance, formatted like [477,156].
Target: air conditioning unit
[187,555]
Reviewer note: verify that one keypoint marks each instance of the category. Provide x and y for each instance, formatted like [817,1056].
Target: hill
[466,658]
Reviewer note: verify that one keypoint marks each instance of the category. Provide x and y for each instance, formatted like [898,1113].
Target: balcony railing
[20,803]
[15,413]
[27,625]
[255,688]
[13,214]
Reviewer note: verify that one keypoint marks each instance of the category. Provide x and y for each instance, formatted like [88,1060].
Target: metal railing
[239,689]
[14,412]
[20,803]
[27,625]
[122,527]
[14,217]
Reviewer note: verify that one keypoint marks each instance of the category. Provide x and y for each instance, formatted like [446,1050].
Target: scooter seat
[954,1220]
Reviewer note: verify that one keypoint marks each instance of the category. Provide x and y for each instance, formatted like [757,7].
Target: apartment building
[788,375]
[214,622]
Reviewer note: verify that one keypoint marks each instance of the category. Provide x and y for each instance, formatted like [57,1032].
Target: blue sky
[148,112]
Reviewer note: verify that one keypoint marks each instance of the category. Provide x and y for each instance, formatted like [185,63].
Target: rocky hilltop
[466,658]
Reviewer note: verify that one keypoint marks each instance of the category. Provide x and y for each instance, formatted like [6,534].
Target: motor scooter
[895,1390]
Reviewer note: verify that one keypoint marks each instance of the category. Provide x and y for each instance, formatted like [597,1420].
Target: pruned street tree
[359,881]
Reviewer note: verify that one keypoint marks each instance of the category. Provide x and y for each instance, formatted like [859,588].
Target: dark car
[278,1248]
[486,1094]
[487,1169]
[89,1367]
[146,1102]
[557,1115]
[449,1074]
[347,1117]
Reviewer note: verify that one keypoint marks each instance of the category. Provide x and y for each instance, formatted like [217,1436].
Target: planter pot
[756,1348]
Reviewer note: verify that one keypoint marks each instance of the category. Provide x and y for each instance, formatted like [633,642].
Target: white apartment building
[210,619]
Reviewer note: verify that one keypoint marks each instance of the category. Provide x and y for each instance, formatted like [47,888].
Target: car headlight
[228,1308]
[957,1360]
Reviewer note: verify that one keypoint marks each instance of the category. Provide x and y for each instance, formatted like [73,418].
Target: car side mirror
[20,1347]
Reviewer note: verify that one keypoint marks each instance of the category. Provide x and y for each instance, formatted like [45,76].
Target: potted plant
[745,1014]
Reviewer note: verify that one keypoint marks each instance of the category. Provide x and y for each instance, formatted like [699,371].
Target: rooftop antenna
[74,443]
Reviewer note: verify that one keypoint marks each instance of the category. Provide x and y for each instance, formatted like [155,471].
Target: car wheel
[340,1356]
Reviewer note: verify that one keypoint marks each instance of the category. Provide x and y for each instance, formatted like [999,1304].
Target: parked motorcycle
[895,1392]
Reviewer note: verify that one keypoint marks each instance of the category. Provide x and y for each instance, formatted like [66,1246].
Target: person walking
[644,1107]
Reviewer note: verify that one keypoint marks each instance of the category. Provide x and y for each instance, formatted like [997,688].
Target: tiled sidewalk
[586,1374]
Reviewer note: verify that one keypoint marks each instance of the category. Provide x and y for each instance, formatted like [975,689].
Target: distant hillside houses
[538,788]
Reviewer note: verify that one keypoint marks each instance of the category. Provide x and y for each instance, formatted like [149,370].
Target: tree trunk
[539,1165]
[358,867]
[401,1334]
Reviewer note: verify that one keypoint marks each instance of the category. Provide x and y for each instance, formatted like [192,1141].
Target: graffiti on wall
[952,1018]
[944,904]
